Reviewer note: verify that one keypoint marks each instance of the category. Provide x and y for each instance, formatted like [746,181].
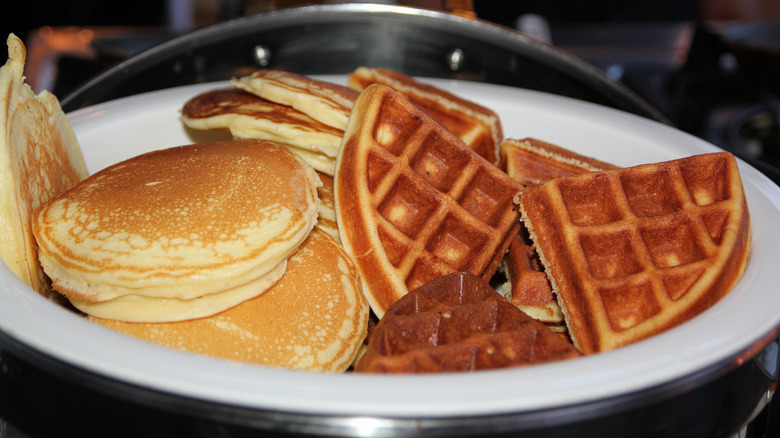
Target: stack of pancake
[475,328]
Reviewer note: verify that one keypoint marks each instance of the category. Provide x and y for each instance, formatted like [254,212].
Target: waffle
[458,323]
[327,217]
[247,116]
[40,157]
[531,162]
[413,202]
[323,101]
[476,125]
[633,252]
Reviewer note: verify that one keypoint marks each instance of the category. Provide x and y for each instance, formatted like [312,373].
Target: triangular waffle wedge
[413,202]
[458,323]
[326,102]
[39,158]
[247,116]
[314,318]
[531,161]
[476,125]
[635,251]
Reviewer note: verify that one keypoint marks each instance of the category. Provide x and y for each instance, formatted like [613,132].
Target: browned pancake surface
[39,158]
[251,117]
[314,318]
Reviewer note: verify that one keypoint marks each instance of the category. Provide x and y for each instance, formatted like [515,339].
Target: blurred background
[712,67]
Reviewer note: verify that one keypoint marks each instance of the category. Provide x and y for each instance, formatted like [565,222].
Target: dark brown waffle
[414,202]
[636,251]
[458,323]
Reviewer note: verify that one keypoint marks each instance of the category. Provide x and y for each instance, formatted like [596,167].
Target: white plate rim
[631,369]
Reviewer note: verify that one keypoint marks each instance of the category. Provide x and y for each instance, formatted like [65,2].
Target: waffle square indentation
[438,162]
[610,255]
[408,206]
[651,194]
[456,243]
[378,166]
[396,247]
[590,201]
[425,270]
[487,197]
[678,282]
[715,221]
[629,304]
[396,127]
[673,243]
[707,180]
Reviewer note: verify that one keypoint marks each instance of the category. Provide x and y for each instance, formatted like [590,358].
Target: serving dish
[741,328]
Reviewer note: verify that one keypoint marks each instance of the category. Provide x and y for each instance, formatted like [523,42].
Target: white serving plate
[120,129]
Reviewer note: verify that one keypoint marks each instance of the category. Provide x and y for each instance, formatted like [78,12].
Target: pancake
[478,126]
[323,101]
[39,159]
[314,318]
[247,116]
[633,252]
[530,162]
[139,308]
[414,202]
[178,223]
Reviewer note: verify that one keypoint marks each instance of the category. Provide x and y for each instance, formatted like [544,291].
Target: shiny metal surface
[335,39]
[715,402]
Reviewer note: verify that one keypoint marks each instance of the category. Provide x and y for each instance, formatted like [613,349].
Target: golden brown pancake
[313,319]
[247,116]
[633,252]
[39,159]
[323,101]
[179,223]
[414,202]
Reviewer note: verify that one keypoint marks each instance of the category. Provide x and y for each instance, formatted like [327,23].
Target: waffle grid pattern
[414,202]
[441,208]
[640,240]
